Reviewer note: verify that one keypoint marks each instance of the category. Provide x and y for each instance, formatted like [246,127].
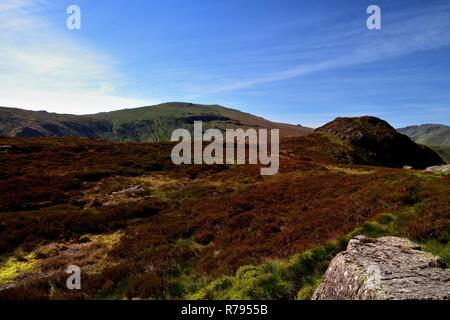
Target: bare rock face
[384,268]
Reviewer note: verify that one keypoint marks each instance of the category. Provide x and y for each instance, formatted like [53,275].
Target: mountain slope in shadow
[370,140]
[435,136]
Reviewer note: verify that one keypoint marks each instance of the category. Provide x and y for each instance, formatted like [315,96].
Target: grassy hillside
[429,134]
[435,136]
[141,227]
[154,123]
[23,123]
[443,151]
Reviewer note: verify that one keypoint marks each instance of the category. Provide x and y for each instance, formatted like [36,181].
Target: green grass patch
[13,266]
[439,249]
[296,277]
[355,171]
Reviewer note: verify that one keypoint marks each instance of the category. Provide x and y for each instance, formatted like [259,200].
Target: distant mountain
[429,134]
[436,136]
[153,123]
[24,123]
[374,141]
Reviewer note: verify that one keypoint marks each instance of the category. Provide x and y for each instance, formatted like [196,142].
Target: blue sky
[303,62]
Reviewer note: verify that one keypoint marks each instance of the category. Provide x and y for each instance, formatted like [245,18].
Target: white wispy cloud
[43,67]
[403,33]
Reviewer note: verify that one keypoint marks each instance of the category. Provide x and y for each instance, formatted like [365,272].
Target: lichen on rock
[384,269]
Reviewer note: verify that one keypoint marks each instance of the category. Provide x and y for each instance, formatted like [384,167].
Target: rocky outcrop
[384,268]
[375,142]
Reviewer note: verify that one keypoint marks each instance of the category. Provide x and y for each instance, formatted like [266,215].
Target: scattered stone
[384,268]
[7,148]
[407,167]
[130,191]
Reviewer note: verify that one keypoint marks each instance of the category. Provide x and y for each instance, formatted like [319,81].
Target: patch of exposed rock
[443,168]
[384,268]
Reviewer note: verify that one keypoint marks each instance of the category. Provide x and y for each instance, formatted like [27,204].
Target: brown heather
[189,225]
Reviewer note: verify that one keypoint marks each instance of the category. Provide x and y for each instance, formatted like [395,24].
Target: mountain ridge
[435,136]
[144,124]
